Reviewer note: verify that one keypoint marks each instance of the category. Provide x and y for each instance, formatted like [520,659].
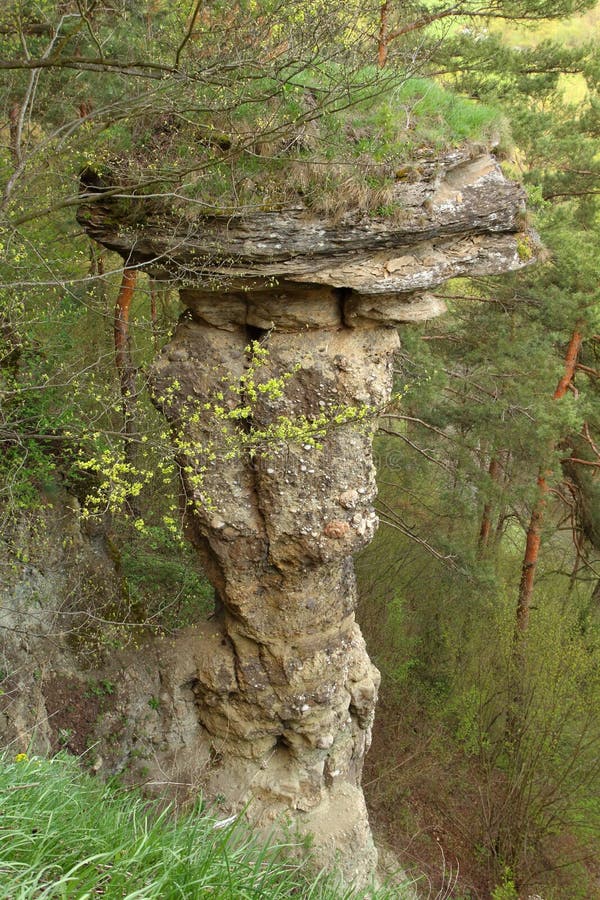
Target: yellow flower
[21,757]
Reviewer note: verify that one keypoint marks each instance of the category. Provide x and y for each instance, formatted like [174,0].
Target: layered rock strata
[284,690]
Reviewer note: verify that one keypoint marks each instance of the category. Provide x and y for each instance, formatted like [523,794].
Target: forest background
[480,597]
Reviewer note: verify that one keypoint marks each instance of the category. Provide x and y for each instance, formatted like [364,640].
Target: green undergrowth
[347,159]
[163,580]
[417,114]
[364,151]
[64,834]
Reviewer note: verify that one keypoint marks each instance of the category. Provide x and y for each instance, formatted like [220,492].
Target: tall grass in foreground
[64,834]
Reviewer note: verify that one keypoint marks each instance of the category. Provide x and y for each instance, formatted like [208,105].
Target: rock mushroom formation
[284,690]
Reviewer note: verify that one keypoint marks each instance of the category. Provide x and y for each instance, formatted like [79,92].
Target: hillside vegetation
[480,597]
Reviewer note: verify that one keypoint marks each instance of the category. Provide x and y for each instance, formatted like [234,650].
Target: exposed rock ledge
[283,689]
[460,217]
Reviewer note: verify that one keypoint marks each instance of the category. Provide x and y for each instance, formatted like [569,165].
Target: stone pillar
[285,689]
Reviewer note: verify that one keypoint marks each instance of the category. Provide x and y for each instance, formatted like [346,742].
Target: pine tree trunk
[532,546]
[515,715]
[530,559]
[382,42]
[124,364]
[485,528]
[570,363]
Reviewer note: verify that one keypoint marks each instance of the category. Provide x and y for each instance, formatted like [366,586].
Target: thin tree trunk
[382,41]
[533,543]
[123,360]
[485,528]
[574,572]
[501,516]
[13,126]
[153,314]
[531,557]
[152,9]
[570,363]
[85,108]
[11,345]
[516,714]
[124,363]
[96,260]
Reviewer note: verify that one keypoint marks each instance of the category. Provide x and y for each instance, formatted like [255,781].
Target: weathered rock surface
[284,687]
[270,704]
[459,216]
[58,590]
